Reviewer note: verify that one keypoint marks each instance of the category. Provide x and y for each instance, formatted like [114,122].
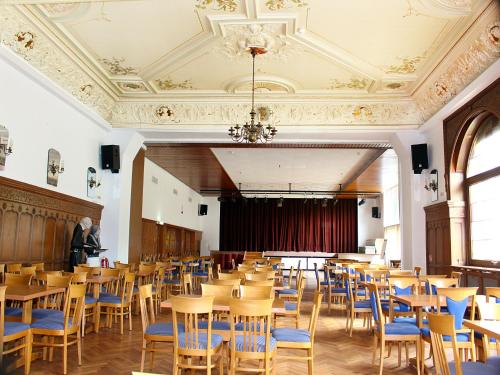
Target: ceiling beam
[375,146]
[371,157]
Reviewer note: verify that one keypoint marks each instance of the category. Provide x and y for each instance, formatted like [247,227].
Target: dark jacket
[77,240]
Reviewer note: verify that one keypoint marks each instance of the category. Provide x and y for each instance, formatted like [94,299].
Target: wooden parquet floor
[335,352]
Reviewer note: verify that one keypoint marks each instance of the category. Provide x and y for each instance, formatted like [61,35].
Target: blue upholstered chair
[442,333]
[332,291]
[396,311]
[17,332]
[392,332]
[293,301]
[191,342]
[457,300]
[289,338]
[66,328]
[253,340]
[285,293]
[354,307]
[53,304]
[153,332]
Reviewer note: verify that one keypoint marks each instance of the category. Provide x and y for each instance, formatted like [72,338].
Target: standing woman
[77,242]
[94,239]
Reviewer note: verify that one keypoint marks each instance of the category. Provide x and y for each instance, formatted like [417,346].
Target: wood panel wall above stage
[36,224]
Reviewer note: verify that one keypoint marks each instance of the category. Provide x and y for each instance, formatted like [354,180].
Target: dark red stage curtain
[256,225]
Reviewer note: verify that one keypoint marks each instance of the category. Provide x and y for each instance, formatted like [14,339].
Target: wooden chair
[444,335]
[487,311]
[187,284]
[333,293]
[111,287]
[153,333]
[298,339]
[492,292]
[390,332]
[456,275]
[190,343]
[256,292]
[14,267]
[260,276]
[53,304]
[251,337]
[432,283]
[39,266]
[354,307]
[292,307]
[217,290]
[401,273]
[2,273]
[17,333]
[16,279]
[234,282]
[220,323]
[228,276]
[28,271]
[399,312]
[122,266]
[117,305]
[158,288]
[259,283]
[65,328]
[457,300]
[290,293]
[90,303]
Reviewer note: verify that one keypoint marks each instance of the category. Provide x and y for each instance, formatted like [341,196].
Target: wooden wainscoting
[36,224]
[445,236]
[169,239]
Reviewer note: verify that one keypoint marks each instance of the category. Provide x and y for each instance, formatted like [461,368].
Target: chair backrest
[376,307]
[192,311]
[400,273]
[259,283]
[261,268]
[316,274]
[228,276]
[16,279]
[417,270]
[261,276]
[404,285]
[55,301]
[28,271]
[347,278]
[217,290]
[78,269]
[493,292]
[122,266]
[73,307]
[255,316]
[457,300]
[456,275]
[443,325]
[315,314]
[79,278]
[187,284]
[128,289]
[14,267]
[433,283]
[147,309]
[2,319]
[39,266]
[2,273]
[256,292]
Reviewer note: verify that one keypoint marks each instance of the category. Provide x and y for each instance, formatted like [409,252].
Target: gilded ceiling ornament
[264,113]
[132,86]
[280,4]
[169,84]
[395,85]
[408,65]
[270,36]
[163,111]
[354,83]
[363,112]
[114,66]
[26,38]
[223,5]
[86,89]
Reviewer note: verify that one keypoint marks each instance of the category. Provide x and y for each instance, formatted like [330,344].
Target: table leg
[27,307]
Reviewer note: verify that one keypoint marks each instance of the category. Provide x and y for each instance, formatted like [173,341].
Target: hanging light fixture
[253,132]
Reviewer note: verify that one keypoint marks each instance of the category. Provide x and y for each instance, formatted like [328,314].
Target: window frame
[467,183]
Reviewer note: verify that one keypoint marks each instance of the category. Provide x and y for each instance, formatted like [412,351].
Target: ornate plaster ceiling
[149,63]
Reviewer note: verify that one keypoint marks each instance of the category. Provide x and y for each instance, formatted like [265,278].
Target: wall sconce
[5,145]
[431,183]
[55,167]
[92,182]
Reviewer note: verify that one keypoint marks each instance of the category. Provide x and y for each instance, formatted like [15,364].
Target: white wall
[161,203]
[369,228]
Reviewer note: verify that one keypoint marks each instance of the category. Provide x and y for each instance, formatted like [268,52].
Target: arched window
[482,189]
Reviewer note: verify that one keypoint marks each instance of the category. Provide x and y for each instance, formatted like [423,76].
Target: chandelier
[253,132]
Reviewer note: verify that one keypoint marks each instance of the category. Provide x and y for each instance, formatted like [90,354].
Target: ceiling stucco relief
[354,84]
[143,115]
[408,65]
[440,8]
[281,4]
[469,64]
[115,66]
[132,86]
[27,41]
[169,84]
[222,5]
[271,36]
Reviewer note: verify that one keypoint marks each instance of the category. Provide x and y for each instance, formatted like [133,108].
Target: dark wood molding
[136,197]
[379,146]
[36,224]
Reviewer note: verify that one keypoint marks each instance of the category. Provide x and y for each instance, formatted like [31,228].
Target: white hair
[86,223]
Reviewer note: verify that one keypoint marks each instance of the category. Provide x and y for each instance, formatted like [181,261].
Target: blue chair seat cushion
[408,320]
[290,306]
[115,300]
[360,292]
[362,304]
[216,324]
[104,295]
[475,368]
[163,329]
[401,329]
[13,311]
[288,291]
[47,313]
[55,324]
[251,345]
[397,307]
[90,300]
[324,283]
[172,281]
[493,361]
[190,342]
[338,290]
[11,328]
[479,335]
[461,337]
[200,274]
[291,335]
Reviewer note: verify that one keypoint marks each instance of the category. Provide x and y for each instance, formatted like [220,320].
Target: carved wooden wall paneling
[169,239]
[36,224]
[135,230]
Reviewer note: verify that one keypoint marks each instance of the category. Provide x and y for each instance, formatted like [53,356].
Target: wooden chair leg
[418,350]
[382,350]
[310,362]
[27,355]
[79,347]
[65,354]
[375,347]
[399,353]
[143,356]
[152,362]
[121,320]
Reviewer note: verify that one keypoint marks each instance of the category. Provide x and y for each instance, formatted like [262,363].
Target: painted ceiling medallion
[132,86]
[354,83]
[115,67]
[270,36]
[408,65]
[169,84]
[280,4]
[222,5]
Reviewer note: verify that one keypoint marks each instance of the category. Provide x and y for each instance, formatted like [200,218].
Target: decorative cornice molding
[143,115]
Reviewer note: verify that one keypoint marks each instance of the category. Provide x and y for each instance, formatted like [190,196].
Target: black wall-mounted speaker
[376,212]
[110,157]
[419,158]
[202,209]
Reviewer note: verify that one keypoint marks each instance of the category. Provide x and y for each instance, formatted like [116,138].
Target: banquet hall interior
[267,186]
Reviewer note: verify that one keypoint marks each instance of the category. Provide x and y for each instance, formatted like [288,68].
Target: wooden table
[222,304]
[490,328]
[278,285]
[26,294]
[98,281]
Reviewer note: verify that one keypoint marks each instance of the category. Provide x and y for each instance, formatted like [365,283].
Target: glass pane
[484,153]
[484,203]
